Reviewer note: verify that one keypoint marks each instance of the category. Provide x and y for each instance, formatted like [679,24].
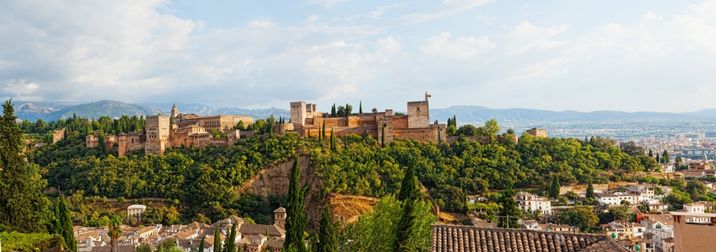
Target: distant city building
[535,132]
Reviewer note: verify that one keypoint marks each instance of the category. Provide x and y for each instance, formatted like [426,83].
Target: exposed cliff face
[274,180]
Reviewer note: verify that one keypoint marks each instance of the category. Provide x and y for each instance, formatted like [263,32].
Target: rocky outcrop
[274,180]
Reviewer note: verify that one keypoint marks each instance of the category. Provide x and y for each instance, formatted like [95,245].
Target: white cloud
[460,48]
[527,37]
[388,45]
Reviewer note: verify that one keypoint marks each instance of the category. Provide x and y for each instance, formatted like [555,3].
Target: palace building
[176,130]
[416,125]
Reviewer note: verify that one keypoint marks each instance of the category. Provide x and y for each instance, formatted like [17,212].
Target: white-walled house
[532,203]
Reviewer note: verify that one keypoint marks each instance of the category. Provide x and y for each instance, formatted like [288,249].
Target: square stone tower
[419,113]
[300,111]
[157,128]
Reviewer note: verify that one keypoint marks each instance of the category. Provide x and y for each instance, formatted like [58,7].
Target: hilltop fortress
[387,125]
[173,131]
[190,130]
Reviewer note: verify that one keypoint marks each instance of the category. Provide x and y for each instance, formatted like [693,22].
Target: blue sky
[560,55]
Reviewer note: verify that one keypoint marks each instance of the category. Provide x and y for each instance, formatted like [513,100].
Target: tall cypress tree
[230,242]
[327,233]
[333,140]
[65,221]
[509,213]
[360,107]
[201,244]
[590,191]
[409,186]
[665,159]
[217,240]
[333,110]
[382,136]
[296,216]
[22,204]
[409,195]
[554,188]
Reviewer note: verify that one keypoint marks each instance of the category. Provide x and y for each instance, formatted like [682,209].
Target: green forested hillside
[201,178]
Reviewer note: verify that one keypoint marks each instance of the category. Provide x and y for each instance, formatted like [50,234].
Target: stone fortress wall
[307,121]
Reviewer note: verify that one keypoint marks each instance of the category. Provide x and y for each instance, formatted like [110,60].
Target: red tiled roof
[472,239]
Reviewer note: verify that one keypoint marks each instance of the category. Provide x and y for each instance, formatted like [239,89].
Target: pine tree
[554,188]
[230,242]
[201,244]
[509,213]
[217,240]
[296,216]
[22,204]
[327,233]
[409,195]
[65,227]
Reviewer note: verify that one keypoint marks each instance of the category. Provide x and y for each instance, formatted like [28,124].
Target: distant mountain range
[473,114]
[50,111]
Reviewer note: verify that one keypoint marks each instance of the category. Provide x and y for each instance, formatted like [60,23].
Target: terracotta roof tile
[475,239]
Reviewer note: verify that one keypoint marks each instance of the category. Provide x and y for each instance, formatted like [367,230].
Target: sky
[637,55]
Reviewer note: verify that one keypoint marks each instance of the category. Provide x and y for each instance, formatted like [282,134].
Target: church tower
[279,217]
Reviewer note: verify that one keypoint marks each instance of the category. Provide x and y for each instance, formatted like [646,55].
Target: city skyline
[636,56]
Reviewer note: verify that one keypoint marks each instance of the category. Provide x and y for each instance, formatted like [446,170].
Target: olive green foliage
[145,247]
[199,178]
[451,172]
[23,207]
[83,126]
[14,241]
[378,230]
[580,216]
